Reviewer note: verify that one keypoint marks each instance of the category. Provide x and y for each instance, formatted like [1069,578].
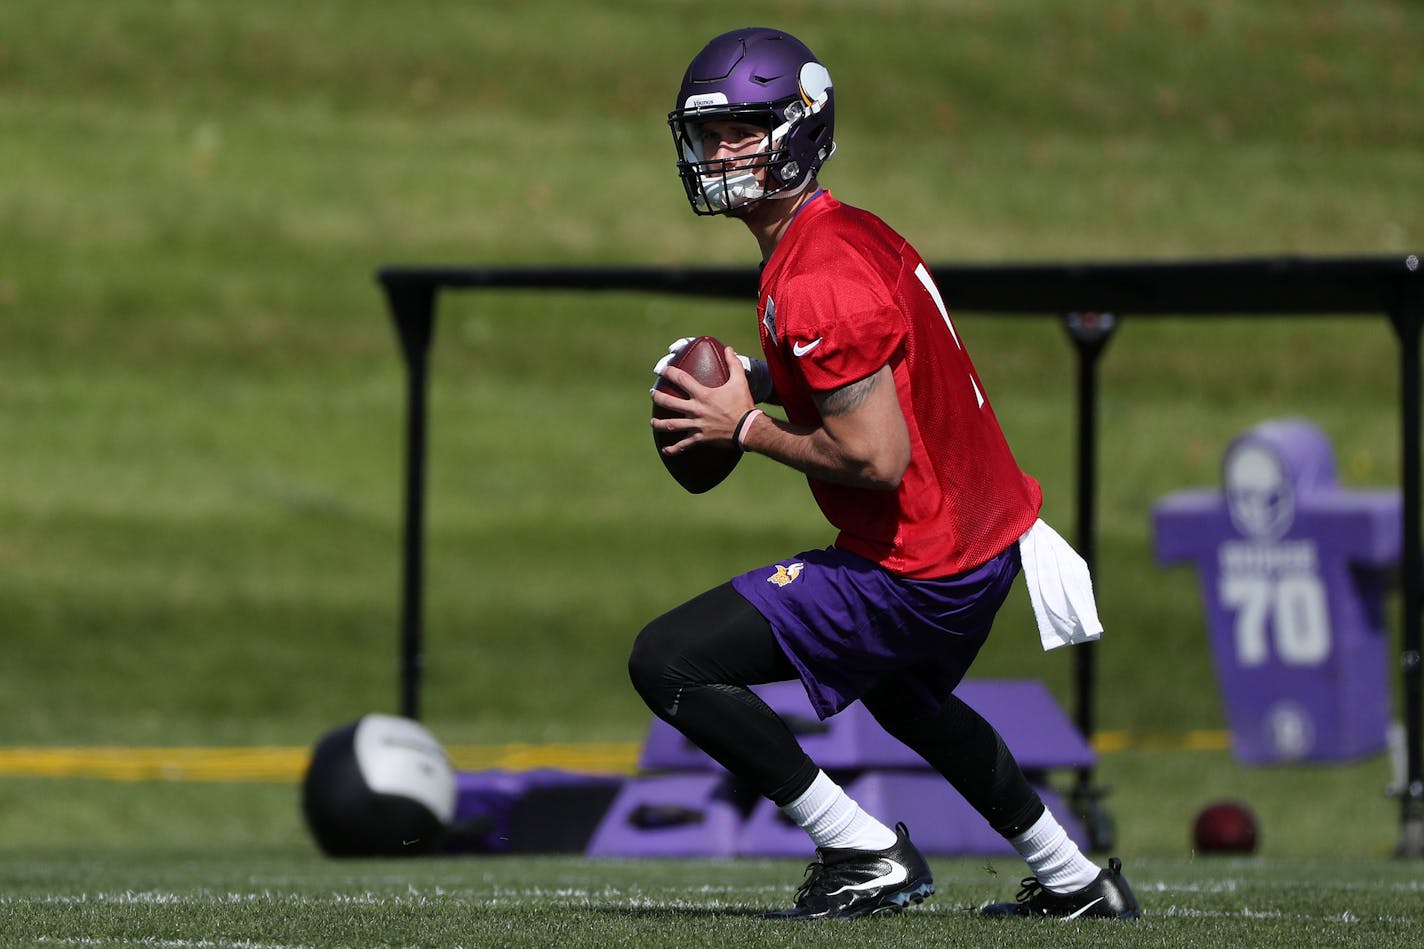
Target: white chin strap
[793,192]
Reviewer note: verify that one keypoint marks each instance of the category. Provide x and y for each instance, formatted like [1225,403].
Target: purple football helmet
[762,77]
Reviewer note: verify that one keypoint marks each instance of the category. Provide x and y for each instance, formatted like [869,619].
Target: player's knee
[650,660]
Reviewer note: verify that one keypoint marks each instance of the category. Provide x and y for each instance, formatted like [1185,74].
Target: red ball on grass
[1226,827]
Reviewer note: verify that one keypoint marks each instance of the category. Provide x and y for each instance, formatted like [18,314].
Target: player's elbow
[869,451]
[879,482]
[884,469]
[888,478]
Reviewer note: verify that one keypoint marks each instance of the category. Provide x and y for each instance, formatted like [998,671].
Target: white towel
[1059,587]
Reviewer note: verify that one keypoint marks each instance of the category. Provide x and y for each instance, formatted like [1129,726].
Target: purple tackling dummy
[1294,572]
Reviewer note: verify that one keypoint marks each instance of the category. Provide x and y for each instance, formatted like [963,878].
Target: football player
[894,431]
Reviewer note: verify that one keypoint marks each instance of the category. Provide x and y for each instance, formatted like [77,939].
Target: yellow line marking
[615,757]
[274,764]
[1106,743]
[281,764]
[156,764]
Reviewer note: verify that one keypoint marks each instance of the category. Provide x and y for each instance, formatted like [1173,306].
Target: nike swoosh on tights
[1083,909]
[801,349]
[898,874]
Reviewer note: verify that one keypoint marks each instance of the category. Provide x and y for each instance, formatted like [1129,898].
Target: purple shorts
[845,623]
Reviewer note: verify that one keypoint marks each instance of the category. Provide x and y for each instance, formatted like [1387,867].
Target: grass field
[280,900]
[201,413]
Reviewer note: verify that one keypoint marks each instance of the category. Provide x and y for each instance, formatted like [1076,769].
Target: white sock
[1053,856]
[832,819]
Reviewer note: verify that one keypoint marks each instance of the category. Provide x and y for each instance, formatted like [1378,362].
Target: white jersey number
[1293,606]
[923,273]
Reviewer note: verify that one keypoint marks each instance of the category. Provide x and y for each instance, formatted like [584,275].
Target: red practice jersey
[843,295]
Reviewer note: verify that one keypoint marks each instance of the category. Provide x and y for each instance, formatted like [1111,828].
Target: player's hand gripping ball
[701,467]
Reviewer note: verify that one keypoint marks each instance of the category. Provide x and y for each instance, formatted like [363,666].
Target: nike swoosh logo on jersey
[1084,908]
[897,875]
[801,349]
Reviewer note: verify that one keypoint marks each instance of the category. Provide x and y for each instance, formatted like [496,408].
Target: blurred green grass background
[201,398]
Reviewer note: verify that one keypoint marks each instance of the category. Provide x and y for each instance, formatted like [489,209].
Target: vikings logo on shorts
[785,574]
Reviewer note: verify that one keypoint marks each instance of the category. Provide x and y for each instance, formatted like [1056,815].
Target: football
[703,467]
[1225,827]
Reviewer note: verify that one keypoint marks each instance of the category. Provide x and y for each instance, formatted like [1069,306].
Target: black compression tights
[693,664]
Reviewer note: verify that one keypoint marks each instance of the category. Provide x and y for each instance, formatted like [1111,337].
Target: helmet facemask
[721,185]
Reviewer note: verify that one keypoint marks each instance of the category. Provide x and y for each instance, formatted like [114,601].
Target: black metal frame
[1090,298]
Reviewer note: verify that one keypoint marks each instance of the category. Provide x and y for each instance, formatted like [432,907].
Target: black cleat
[1107,897]
[848,884]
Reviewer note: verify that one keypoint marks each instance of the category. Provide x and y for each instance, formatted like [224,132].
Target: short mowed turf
[202,408]
[186,898]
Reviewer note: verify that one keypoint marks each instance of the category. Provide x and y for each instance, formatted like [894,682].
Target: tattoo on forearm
[846,398]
